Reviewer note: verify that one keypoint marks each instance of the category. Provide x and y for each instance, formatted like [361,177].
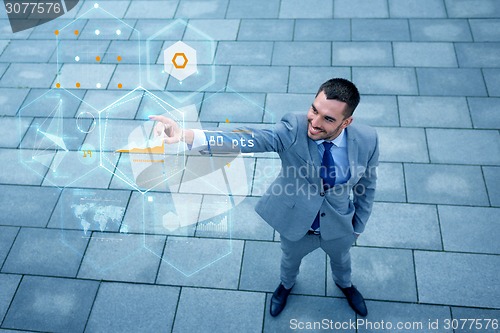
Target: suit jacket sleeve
[364,191]
[250,140]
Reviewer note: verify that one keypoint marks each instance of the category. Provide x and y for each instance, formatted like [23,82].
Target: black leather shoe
[355,300]
[278,301]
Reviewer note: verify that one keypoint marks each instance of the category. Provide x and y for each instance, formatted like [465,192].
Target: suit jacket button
[323,214]
[322,194]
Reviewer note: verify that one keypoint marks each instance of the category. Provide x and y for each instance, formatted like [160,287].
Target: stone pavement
[429,75]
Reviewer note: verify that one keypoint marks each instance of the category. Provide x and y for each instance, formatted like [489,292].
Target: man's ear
[346,122]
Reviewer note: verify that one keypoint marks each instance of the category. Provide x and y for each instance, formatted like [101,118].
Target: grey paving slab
[322,30]
[18,172]
[377,111]
[299,53]
[485,30]
[380,30]
[470,8]
[360,9]
[89,209]
[6,30]
[450,82]
[201,9]
[147,213]
[115,8]
[390,183]
[130,52]
[311,9]
[362,54]
[86,50]
[243,107]
[51,304]
[46,30]
[266,170]
[195,310]
[208,78]
[307,79]
[29,75]
[108,27]
[402,144]
[72,136]
[301,310]
[128,77]
[246,223]
[13,129]
[73,171]
[277,105]
[478,54]
[189,106]
[97,100]
[87,75]
[411,317]
[404,226]
[440,30]
[380,274]
[266,30]
[488,317]
[121,257]
[492,176]
[423,111]
[136,308]
[492,78]
[424,54]
[213,29]
[264,275]
[197,262]
[32,51]
[445,184]
[46,252]
[437,286]
[153,10]
[7,236]
[483,112]
[11,100]
[417,8]
[9,283]
[385,81]
[258,79]
[18,211]
[254,9]
[115,132]
[43,103]
[161,29]
[469,229]
[3,45]
[450,146]
[244,53]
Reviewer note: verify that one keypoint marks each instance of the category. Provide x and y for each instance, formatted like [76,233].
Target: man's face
[326,118]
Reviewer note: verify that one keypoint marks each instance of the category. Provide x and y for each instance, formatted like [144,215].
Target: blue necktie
[327,173]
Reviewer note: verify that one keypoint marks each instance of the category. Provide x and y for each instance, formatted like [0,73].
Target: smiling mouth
[314,130]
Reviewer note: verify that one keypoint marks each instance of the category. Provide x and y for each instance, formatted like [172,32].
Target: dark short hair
[342,90]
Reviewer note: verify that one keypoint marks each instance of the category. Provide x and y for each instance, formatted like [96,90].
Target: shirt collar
[339,141]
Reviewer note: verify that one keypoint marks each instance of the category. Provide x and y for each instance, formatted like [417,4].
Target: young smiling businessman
[324,193]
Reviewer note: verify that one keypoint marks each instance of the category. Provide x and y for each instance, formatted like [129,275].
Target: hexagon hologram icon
[141,159]
[180,60]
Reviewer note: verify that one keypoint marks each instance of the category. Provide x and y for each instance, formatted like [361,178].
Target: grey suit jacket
[291,203]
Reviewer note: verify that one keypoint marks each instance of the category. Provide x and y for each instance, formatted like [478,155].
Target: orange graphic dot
[58,85]
[77,84]
[120,85]
[97,58]
[119,58]
[76,32]
[56,32]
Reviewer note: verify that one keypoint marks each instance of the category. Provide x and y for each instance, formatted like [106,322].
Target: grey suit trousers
[337,250]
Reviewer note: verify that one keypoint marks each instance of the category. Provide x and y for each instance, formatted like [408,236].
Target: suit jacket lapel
[313,152]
